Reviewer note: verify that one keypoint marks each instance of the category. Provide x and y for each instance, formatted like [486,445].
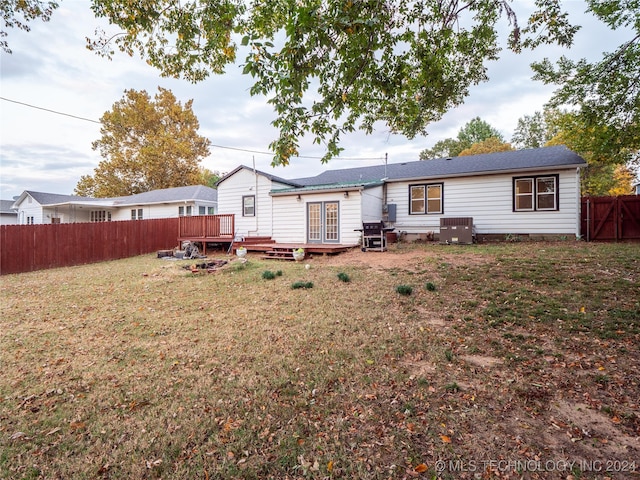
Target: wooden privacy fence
[25,248]
[611,219]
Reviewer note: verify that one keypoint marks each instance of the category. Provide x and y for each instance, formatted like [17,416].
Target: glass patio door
[323,224]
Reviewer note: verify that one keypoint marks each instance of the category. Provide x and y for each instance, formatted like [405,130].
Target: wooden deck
[220,230]
[284,251]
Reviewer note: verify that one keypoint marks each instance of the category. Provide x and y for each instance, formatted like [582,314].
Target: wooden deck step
[278,255]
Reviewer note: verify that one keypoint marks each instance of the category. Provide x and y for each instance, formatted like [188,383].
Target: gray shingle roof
[166,195]
[271,177]
[538,158]
[53,198]
[5,206]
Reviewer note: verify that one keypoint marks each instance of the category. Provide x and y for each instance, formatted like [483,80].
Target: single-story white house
[8,216]
[524,192]
[38,208]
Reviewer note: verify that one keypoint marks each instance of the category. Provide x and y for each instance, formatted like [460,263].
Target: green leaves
[607,92]
[331,67]
[186,39]
[474,133]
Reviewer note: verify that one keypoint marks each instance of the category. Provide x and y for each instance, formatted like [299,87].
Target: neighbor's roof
[5,207]
[500,162]
[53,198]
[168,195]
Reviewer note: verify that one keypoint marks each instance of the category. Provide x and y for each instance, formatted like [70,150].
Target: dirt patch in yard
[401,256]
[482,361]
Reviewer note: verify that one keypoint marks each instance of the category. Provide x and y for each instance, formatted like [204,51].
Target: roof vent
[449,158]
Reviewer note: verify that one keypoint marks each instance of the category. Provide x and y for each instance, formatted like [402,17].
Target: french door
[323,223]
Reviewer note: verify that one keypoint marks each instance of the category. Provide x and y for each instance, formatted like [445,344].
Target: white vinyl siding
[290,216]
[241,184]
[371,204]
[249,206]
[489,200]
[115,211]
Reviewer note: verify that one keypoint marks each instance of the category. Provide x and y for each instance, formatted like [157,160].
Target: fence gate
[611,219]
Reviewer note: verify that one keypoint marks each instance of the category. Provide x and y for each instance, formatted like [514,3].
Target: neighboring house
[38,207]
[8,216]
[636,187]
[524,192]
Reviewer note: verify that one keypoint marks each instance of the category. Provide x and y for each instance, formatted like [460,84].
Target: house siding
[241,184]
[489,200]
[290,216]
[372,202]
[289,219]
[30,209]
[79,209]
[8,219]
[164,210]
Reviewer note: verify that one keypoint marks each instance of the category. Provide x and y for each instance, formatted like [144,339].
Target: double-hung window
[425,199]
[249,206]
[538,193]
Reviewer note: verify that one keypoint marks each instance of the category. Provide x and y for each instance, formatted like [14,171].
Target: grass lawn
[487,361]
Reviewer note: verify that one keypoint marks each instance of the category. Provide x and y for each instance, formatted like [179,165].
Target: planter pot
[298,256]
[241,252]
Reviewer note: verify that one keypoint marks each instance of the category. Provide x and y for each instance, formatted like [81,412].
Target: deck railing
[207,226]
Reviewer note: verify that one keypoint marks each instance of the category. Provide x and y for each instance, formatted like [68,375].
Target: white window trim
[244,206]
[425,199]
[535,195]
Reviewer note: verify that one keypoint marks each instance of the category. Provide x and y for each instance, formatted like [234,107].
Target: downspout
[255,203]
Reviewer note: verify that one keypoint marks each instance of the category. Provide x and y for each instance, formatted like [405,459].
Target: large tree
[606,92]
[331,66]
[607,159]
[490,145]
[532,131]
[590,141]
[474,131]
[147,144]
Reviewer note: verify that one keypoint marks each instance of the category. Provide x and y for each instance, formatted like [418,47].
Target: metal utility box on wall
[457,230]
[389,212]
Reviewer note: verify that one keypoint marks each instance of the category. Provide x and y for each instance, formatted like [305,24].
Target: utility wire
[50,111]
[215,146]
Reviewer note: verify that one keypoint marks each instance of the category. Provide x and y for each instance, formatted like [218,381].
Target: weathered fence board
[25,248]
[611,219]
[207,227]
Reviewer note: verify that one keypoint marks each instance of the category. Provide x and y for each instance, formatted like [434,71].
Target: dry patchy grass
[525,354]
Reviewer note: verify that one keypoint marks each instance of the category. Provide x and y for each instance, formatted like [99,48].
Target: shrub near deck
[136,368]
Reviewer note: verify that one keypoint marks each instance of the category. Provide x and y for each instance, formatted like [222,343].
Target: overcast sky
[50,68]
